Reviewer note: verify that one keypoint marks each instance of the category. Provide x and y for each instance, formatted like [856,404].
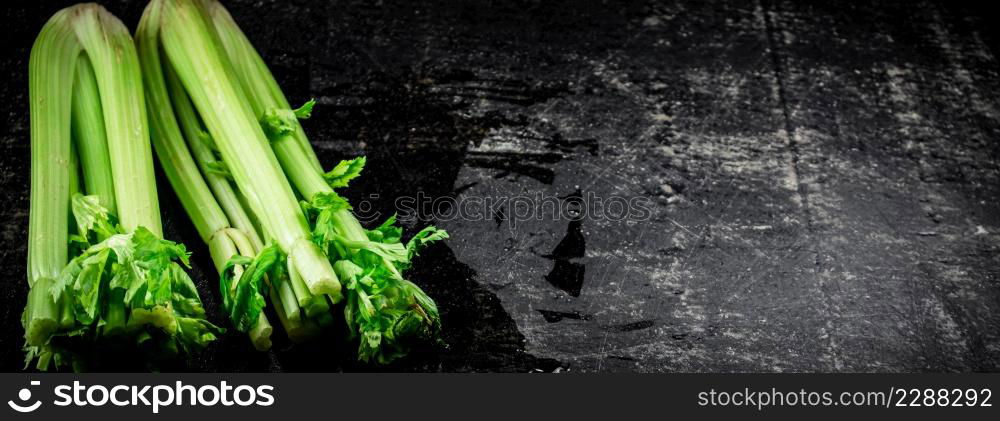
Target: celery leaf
[344,172]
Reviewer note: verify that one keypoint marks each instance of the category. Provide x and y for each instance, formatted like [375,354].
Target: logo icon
[25,394]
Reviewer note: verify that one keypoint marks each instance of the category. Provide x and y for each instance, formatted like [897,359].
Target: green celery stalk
[297,157]
[293,150]
[86,99]
[116,66]
[91,141]
[88,124]
[50,77]
[198,142]
[298,160]
[179,167]
[203,68]
[257,81]
[197,198]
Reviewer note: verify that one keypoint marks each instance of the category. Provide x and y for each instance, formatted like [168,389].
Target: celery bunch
[98,267]
[235,153]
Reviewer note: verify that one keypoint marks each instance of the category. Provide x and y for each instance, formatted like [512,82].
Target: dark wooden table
[820,179]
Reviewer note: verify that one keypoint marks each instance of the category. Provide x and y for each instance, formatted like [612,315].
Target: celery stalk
[257,80]
[86,99]
[198,142]
[196,196]
[203,68]
[90,135]
[404,312]
[50,75]
[115,63]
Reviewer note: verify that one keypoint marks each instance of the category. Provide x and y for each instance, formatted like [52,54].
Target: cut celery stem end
[315,269]
[42,313]
[260,334]
[44,358]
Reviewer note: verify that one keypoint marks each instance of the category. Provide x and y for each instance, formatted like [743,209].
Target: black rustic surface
[822,177]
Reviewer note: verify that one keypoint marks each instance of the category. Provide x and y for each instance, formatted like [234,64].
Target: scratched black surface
[822,177]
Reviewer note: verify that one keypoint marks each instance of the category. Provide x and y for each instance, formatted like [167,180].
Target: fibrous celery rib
[172,118]
[108,275]
[251,151]
[194,52]
[229,212]
[383,310]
